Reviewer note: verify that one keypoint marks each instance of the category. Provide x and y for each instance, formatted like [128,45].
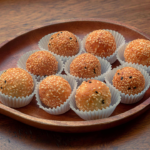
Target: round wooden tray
[12,49]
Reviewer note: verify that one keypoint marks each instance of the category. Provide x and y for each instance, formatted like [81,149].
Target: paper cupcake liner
[65,106]
[99,114]
[125,98]
[121,59]
[17,102]
[120,40]
[22,63]
[105,67]
[43,45]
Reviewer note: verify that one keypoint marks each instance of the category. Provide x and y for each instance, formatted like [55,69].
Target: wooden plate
[12,49]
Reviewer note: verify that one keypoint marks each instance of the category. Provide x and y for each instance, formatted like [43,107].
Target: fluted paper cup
[126,98]
[22,63]
[65,106]
[105,67]
[17,102]
[99,114]
[120,40]
[121,59]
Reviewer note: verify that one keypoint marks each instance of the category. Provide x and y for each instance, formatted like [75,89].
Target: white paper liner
[120,40]
[121,59]
[105,67]
[43,45]
[17,102]
[22,63]
[125,98]
[99,114]
[65,106]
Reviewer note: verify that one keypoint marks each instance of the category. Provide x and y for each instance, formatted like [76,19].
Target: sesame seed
[102,101]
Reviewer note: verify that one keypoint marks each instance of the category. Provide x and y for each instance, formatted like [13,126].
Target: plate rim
[75,20]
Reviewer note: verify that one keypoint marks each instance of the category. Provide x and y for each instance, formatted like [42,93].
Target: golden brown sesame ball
[100,43]
[16,82]
[138,51]
[92,95]
[54,91]
[63,43]
[129,80]
[42,63]
[85,66]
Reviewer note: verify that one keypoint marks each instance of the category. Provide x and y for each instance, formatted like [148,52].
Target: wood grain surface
[17,16]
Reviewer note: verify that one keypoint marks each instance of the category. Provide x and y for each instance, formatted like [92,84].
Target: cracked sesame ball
[42,63]
[63,43]
[85,66]
[16,82]
[54,91]
[92,95]
[129,80]
[138,51]
[100,43]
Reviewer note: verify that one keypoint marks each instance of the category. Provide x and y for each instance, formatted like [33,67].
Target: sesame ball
[129,80]
[100,43]
[85,66]
[54,91]
[63,43]
[16,82]
[138,51]
[42,63]
[92,95]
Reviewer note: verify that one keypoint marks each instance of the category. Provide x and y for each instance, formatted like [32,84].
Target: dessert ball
[16,82]
[129,80]
[138,51]
[63,43]
[100,43]
[92,95]
[54,91]
[85,66]
[42,63]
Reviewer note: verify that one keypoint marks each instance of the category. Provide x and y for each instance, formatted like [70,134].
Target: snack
[16,82]
[85,66]
[100,43]
[138,51]
[129,80]
[54,91]
[92,95]
[63,43]
[42,63]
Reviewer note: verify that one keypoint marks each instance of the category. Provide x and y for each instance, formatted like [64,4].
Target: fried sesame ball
[85,66]
[16,82]
[54,91]
[92,95]
[42,63]
[100,43]
[129,80]
[63,43]
[138,51]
